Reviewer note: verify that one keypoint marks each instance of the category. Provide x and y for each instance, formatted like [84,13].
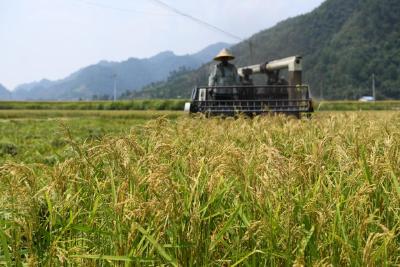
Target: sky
[53,38]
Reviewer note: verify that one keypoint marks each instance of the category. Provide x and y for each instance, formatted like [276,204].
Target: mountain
[343,43]
[97,81]
[4,93]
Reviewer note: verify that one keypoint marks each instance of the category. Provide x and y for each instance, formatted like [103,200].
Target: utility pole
[251,52]
[115,86]
[373,87]
[321,93]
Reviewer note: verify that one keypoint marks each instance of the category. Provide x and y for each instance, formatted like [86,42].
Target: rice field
[190,191]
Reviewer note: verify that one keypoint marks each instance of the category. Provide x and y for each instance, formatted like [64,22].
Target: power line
[167,7]
[197,20]
[126,10]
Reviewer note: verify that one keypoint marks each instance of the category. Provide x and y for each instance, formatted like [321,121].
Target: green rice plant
[268,191]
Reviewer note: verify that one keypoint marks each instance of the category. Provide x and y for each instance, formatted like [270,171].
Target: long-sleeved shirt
[223,75]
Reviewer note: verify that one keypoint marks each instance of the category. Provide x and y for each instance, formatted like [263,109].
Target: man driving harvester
[223,74]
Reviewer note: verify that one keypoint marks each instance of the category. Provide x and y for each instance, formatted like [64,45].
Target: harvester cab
[276,95]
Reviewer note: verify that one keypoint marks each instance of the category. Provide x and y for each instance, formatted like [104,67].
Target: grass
[140,104]
[272,191]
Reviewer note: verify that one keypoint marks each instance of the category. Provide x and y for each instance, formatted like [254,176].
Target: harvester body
[277,95]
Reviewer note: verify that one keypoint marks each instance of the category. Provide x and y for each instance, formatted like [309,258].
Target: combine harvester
[277,95]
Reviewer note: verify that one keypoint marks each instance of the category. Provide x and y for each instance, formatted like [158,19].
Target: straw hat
[224,54]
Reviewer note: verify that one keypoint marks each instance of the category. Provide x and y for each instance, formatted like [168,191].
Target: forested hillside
[343,43]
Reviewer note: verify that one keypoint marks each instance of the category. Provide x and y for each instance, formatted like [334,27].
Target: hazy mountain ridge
[96,81]
[4,93]
[343,43]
